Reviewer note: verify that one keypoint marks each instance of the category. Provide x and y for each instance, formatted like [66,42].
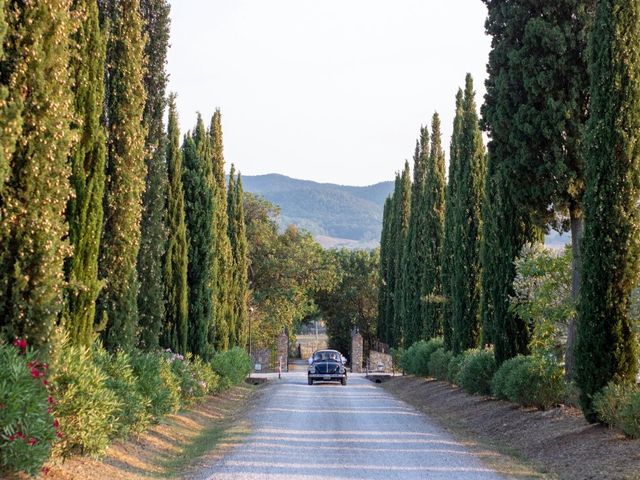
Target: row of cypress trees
[430,241]
[562,112]
[100,228]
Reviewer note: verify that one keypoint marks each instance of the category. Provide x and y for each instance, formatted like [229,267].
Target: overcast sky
[325,90]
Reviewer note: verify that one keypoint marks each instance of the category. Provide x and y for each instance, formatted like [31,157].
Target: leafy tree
[286,272]
[352,302]
[542,297]
[176,260]
[85,212]
[153,241]
[125,174]
[451,193]
[401,213]
[199,217]
[414,247]
[240,249]
[465,294]
[223,329]
[33,231]
[535,110]
[606,348]
[433,207]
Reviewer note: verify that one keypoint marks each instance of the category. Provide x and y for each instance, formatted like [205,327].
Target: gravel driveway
[331,432]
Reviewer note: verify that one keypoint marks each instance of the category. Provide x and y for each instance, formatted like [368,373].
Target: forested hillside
[325,209]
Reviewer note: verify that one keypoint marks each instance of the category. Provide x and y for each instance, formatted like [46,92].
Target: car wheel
[310,381]
[343,381]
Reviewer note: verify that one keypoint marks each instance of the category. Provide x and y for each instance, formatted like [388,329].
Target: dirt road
[354,432]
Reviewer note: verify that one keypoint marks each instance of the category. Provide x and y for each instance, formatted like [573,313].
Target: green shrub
[535,382]
[416,358]
[618,405]
[439,363]
[86,408]
[132,415]
[500,379]
[477,370]
[232,367]
[207,379]
[156,383]
[27,427]
[630,415]
[453,370]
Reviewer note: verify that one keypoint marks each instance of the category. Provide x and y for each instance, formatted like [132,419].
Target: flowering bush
[132,414]
[156,383]
[87,409]
[27,426]
[232,366]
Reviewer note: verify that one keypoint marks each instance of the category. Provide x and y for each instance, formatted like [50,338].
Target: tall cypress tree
[125,173]
[153,241]
[240,249]
[10,108]
[413,257]
[176,260]
[392,247]
[467,227]
[402,215]
[449,224]
[383,290]
[33,231]
[199,216]
[433,206]
[222,330]
[85,210]
[606,345]
[535,110]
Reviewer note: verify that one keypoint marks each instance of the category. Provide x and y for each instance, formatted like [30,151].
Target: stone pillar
[357,352]
[282,351]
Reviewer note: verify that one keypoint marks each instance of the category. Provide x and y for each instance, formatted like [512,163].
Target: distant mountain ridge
[337,215]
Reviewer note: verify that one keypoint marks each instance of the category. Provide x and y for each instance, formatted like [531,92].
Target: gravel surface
[330,432]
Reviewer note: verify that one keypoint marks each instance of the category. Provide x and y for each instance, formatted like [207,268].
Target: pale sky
[325,90]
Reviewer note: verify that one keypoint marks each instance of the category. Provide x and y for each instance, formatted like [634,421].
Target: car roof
[326,350]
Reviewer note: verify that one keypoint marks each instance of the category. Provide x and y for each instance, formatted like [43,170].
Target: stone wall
[357,353]
[380,362]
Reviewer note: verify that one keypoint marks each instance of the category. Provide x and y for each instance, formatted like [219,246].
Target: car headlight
[312,369]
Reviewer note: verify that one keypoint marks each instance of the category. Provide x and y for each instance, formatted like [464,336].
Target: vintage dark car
[327,366]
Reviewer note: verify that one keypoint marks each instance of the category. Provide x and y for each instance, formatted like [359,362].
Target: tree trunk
[576,275]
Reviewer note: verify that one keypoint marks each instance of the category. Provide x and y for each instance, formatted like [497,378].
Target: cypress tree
[433,206]
[606,345]
[153,240]
[402,215]
[240,249]
[413,256]
[85,211]
[383,290]
[176,260]
[125,174]
[33,231]
[392,245]
[222,330]
[467,227]
[449,224]
[535,110]
[199,217]
[10,107]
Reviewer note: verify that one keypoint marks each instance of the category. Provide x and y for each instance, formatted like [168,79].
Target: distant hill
[336,215]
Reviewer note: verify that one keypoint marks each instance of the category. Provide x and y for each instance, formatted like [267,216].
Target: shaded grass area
[178,446]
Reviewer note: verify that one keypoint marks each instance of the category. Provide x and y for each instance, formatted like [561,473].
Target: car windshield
[323,356]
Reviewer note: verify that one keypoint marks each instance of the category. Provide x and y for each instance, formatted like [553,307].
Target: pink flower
[35,373]
[45,471]
[51,400]
[56,423]
[32,441]
[20,344]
